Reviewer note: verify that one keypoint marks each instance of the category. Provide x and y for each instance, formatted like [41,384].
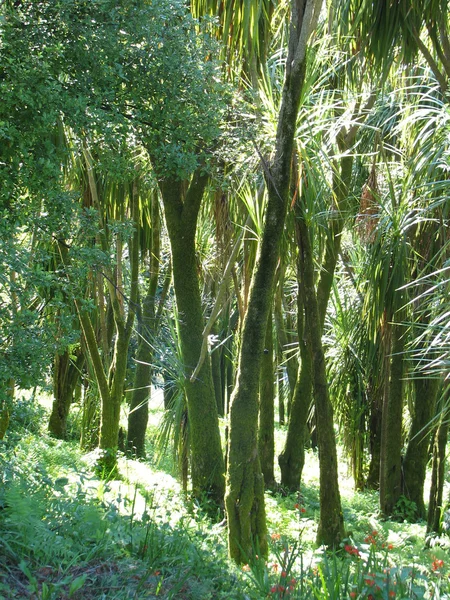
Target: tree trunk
[147,325]
[375,420]
[65,378]
[292,458]
[244,499]
[206,452]
[391,431]
[281,388]
[285,338]
[416,457]
[434,517]
[266,440]
[216,368]
[90,422]
[331,523]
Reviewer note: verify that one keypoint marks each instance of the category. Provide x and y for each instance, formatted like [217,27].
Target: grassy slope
[65,534]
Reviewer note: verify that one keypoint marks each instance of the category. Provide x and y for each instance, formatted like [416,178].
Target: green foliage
[152,75]
[64,534]
[405,510]
[352,572]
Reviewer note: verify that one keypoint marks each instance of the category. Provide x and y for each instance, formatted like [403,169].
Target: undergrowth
[65,534]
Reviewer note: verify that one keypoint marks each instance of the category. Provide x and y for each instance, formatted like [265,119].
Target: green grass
[66,534]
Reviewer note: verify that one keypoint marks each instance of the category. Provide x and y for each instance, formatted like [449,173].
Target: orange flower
[437,564]
[275,536]
[353,594]
[392,594]
[352,550]
[246,568]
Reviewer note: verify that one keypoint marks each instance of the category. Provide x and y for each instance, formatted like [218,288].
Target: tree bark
[247,533]
[440,438]
[331,522]
[416,456]
[391,430]
[266,440]
[65,378]
[206,453]
[292,458]
[434,517]
[147,324]
[293,453]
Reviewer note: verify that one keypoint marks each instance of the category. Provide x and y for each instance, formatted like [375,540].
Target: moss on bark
[331,523]
[147,324]
[181,213]
[292,458]
[245,487]
[434,516]
[416,456]
[391,432]
[66,375]
[266,440]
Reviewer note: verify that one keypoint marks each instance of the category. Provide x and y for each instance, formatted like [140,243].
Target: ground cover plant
[67,534]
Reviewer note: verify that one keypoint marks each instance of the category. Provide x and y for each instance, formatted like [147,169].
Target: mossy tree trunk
[244,498]
[111,385]
[147,325]
[331,523]
[66,374]
[112,400]
[292,458]
[217,375]
[266,439]
[438,471]
[181,211]
[286,339]
[391,428]
[416,456]
[375,420]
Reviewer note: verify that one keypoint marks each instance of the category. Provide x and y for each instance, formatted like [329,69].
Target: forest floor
[64,533]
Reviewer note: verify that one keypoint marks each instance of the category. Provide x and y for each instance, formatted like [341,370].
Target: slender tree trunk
[281,388]
[434,517]
[216,368]
[331,523]
[285,338]
[138,414]
[391,432]
[416,457]
[293,453]
[4,409]
[292,458]
[113,396]
[245,485]
[375,421]
[266,440]
[66,375]
[206,453]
